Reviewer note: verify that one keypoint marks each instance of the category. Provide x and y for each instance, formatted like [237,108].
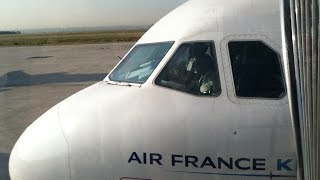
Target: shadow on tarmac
[4,171]
[20,78]
[4,89]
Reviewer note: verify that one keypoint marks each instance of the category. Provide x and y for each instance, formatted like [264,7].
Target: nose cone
[41,152]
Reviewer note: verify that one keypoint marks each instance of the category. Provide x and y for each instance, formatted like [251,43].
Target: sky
[34,14]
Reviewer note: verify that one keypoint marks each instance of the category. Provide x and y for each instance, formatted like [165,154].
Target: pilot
[204,74]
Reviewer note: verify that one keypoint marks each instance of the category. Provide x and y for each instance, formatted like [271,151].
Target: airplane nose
[41,151]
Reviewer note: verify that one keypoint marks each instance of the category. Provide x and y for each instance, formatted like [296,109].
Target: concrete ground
[33,79]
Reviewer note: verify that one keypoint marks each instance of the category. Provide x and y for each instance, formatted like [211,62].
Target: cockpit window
[192,69]
[256,70]
[137,66]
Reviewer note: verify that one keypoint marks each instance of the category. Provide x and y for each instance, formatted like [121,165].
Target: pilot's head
[200,49]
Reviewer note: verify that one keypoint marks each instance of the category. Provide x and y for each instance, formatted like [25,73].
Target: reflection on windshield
[140,62]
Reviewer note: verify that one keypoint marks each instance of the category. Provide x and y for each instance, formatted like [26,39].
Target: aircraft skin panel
[203,16]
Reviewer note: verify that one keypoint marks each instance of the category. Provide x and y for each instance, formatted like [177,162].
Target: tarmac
[33,79]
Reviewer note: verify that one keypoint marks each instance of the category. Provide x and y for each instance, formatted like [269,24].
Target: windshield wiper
[123,83]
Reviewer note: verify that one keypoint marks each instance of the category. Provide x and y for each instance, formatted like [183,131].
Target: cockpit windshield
[137,66]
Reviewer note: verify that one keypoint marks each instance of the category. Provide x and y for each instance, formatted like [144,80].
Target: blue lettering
[239,166]
[191,160]
[134,157]
[227,164]
[174,160]
[155,157]
[283,165]
[208,162]
[259,164]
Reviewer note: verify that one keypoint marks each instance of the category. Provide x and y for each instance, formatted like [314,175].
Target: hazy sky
[25,14]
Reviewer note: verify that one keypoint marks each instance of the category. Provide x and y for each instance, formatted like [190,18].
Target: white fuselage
[115,131]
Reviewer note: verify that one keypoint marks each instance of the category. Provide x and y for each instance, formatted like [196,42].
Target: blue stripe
[226,174]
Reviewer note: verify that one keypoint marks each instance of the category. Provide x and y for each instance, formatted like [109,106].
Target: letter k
[283,165]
